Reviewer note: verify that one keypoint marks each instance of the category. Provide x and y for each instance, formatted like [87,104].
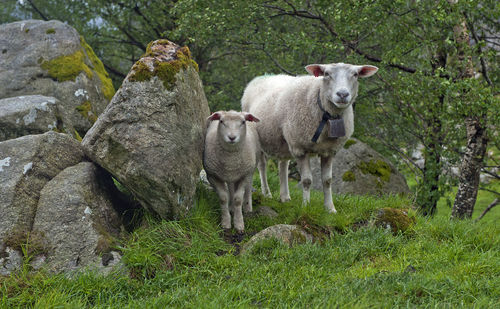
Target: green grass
[187,264]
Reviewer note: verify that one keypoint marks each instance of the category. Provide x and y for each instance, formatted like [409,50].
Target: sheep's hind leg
[326,179]
[305,178]
[283,170]
[222,191]
[239,192]
[262,165]
[247,198]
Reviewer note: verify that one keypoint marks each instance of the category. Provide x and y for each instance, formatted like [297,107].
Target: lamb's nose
[342,94]
[232,138]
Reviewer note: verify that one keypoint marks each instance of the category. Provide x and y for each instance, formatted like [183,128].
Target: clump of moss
[29,243]
[107,85]
[85,110]
[376,168]
[50,31]
[27,30]
[77,136]
[349,143]
[68,67]
[164,70]
[395,219]
[348,176]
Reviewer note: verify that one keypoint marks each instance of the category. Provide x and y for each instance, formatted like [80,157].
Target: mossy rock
[155,63]
[349,143]
[65,68]
[107,85]
[377,168]
[349,176]
[397,220]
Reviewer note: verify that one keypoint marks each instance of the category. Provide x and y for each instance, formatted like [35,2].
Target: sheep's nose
[342,94]
[232,138]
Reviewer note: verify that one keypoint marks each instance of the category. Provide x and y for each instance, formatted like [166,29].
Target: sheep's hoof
[331,210]
[285,199]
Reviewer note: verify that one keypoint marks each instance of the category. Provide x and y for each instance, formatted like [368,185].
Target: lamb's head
[340,80]
[232,127]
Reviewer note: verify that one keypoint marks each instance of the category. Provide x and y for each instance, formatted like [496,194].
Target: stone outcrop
[150,136]
[32,114]
[76,219]
[50,58]
[358,169]
[26,165]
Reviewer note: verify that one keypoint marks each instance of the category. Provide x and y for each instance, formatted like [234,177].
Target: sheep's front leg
[305,177]
[283,170]
[262,165]
[247,198]
[326,179]
[222,191]
[239,192]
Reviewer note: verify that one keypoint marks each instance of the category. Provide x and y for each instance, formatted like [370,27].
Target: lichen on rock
[397,220]
[163,60]
[349,176]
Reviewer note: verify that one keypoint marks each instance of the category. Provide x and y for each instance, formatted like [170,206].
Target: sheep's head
[232,125]
[340,80]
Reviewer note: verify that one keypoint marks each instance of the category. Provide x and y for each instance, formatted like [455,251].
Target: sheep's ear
[366,70]
[315,69]
[250,117]
[214,116]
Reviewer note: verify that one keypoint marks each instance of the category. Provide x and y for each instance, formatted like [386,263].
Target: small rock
[396,220]
[266,211]
[288,234]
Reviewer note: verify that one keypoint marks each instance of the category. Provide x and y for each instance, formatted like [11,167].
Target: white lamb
[230,157]
[292,109]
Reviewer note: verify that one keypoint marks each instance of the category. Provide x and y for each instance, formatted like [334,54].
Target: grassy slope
[187,264]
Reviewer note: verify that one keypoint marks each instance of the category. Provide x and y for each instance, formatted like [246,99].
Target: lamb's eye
[222,122]
[355,74]
[243,122]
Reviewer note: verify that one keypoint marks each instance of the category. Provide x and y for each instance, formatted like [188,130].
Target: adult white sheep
[230,157]
[293,113]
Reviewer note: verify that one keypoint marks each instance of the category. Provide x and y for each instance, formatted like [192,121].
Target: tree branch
[484,67]
[38,11]
[493,204]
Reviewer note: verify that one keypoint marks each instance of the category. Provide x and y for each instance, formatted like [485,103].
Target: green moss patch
[164,70]
[348,176]
[67,67]
[86,111]
[349,143]
[107,86]
[376,168]
[50,31]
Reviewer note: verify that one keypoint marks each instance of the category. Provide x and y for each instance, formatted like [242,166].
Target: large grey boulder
[26,165]
[50,58]
[150,137]
[358,169]
[76,217]
[31,114]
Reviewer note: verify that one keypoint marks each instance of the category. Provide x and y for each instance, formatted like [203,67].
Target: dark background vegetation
[436,90]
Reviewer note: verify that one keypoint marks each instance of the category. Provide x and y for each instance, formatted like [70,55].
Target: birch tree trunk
[477,140]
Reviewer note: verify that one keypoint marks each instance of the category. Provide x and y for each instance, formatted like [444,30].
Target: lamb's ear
[366,70]
[250,117]
[214,116]
[315,69]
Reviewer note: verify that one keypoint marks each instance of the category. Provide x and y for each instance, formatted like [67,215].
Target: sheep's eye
[243,122]
[356,74]
[222,122]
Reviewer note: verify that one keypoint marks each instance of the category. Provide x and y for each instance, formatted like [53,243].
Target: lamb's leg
[247,198]
[283,170]
[223,193]
[261,165]
[305,177]
[230,188]
[239,192]
[326,179]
